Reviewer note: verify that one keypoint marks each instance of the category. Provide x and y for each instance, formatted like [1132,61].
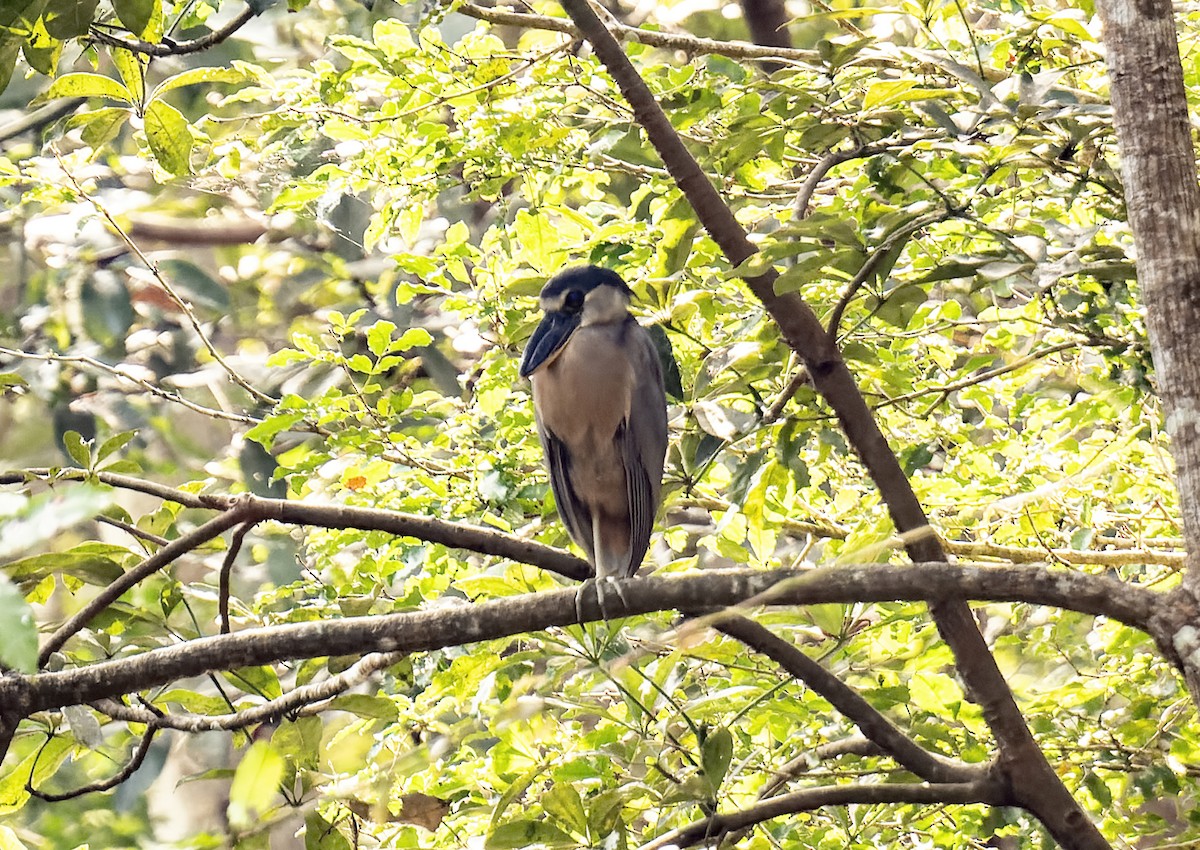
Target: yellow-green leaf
[84,85]
[255,784]
[132,68]
[195,76]
[169,137]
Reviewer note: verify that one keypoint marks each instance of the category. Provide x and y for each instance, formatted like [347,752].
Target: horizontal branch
[419,631]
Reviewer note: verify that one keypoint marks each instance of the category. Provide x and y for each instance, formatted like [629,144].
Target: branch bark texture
[426,630]
[1158,167]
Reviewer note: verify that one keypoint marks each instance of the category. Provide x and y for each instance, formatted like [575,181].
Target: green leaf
[19,649]
[364,705]
[93,567]
[564,803]
[169,137]
[135,15]
[69,18]
[100,126]
[411,338]
[715,754]
[42,50]
[264,432]
[10,49]
[320,834]
[107,308]
[34,769]
[526,833]
[114,444]
[84,85]
[892,92]
[379,337]
[78,449]
[255,784]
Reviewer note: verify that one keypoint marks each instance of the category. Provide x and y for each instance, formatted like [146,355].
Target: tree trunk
[767,21]
[1158,167]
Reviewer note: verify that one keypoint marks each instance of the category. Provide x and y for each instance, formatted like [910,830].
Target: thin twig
[140,383]
[184,307]
[893,240]
[133,530]
[300,700]
[164,556]
[799,378]
[235,546]
[175,48]
[944,391]
[127,770]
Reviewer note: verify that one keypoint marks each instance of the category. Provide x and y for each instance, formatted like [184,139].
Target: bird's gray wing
[643,443]
[574,514]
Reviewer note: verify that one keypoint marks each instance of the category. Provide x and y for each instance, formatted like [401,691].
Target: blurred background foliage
[302,263]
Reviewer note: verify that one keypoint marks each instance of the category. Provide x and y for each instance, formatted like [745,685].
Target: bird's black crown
[584,279]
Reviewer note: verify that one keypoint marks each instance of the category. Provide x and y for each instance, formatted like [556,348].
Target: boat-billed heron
[601,415]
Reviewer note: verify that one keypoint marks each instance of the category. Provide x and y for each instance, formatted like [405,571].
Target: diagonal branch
[167,47]
[164,556]
[1022,762]
[928,766]
[127,770]
[486,541]
[711,830]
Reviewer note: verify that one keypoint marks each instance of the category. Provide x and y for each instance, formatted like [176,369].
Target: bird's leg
[614,584]
[599,583]
[605,573]
[583,588]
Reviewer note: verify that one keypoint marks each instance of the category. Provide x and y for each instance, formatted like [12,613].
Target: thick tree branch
[712,829]
[420,631]
[1022,761]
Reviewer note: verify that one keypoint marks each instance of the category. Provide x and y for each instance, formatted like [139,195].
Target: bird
[601,413]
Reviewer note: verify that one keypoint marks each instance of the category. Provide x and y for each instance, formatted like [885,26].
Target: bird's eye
[573,301]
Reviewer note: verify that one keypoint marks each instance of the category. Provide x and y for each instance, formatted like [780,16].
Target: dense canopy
[274,521]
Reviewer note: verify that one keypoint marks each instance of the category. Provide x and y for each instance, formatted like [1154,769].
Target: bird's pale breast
[582,397]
